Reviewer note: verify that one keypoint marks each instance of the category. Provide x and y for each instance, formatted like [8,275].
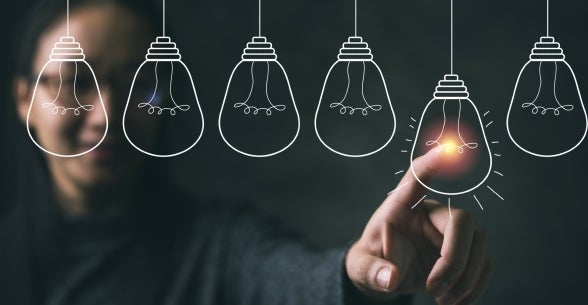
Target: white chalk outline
[414,147]
[364,110]
[73,58]
[515,92]
[274,59]
[444,99]
[152,57]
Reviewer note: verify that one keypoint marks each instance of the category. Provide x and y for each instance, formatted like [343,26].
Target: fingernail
[438,289]
[383,278]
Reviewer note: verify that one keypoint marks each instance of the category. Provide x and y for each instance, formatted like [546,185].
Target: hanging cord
[356,18]
[451,36]
[163,18]
[259,14]
[68,18]
[547,18]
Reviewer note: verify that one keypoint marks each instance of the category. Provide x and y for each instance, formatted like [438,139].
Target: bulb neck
[163,49]
[67,49]
[259,49]
[547,49]
[355,49]
[451,87]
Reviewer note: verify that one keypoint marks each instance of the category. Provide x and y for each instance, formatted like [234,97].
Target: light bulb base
[451,87]
[259,49]
[67,49]
[355,49]
[547,49]
[163,49]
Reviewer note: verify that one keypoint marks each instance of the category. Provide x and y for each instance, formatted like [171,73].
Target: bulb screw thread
[67,49]
[547,49]
[451,87]
[355,49]
[259,49]
[163,49]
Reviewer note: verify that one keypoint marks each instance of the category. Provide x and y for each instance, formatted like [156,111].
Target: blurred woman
[108,227]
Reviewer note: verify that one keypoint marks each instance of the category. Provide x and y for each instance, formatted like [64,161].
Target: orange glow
[449,147]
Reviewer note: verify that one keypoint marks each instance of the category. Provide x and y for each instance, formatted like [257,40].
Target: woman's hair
[27,163]
[45,13]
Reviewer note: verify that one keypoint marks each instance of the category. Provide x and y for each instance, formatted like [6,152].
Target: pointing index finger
[410,191]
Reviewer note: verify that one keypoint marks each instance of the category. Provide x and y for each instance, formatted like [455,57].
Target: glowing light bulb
[546,116]
[258,117]
[451,122]
[69,93]
[163,96]
[354,117]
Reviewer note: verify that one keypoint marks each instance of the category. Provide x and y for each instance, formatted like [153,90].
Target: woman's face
[114,41]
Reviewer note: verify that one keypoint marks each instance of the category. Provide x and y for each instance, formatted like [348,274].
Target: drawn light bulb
[258,116]
[70,94]
[451,122]
[354,117]
[546,116]
[163,96]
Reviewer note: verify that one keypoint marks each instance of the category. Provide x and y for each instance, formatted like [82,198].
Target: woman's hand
[405,250]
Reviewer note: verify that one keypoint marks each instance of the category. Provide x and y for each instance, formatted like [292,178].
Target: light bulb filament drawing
[160,110]
[537,108]
[55,109]
[448,145]
[247,109]
[345,109]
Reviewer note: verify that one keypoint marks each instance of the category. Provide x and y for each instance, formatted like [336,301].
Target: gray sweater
[166,250]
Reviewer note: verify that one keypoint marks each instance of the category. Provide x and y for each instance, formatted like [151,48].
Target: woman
[107,228]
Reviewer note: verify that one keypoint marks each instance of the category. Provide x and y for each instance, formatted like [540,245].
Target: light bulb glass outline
[479,120]
[267,61]
[321,101]
[197,103]
[513,101]
[75,58]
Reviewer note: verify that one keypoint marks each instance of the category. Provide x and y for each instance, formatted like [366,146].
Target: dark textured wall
[537,233]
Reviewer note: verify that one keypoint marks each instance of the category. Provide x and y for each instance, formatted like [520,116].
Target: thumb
[370,273]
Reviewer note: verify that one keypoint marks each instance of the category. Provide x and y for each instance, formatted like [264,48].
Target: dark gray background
[537,233]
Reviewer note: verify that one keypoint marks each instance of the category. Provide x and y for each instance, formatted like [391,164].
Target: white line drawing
[418,202]
[399,172]
[499,173]
[160,110]
[55,109]
[67,50]
[164,51]
[259,52]
[452,89]
[397,188]
[268,110]
[495,193]
[546,51]
[488,125]
[479,204]
[460,148]
[354,51]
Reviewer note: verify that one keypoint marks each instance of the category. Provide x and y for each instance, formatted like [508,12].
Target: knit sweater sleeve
[267,265]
